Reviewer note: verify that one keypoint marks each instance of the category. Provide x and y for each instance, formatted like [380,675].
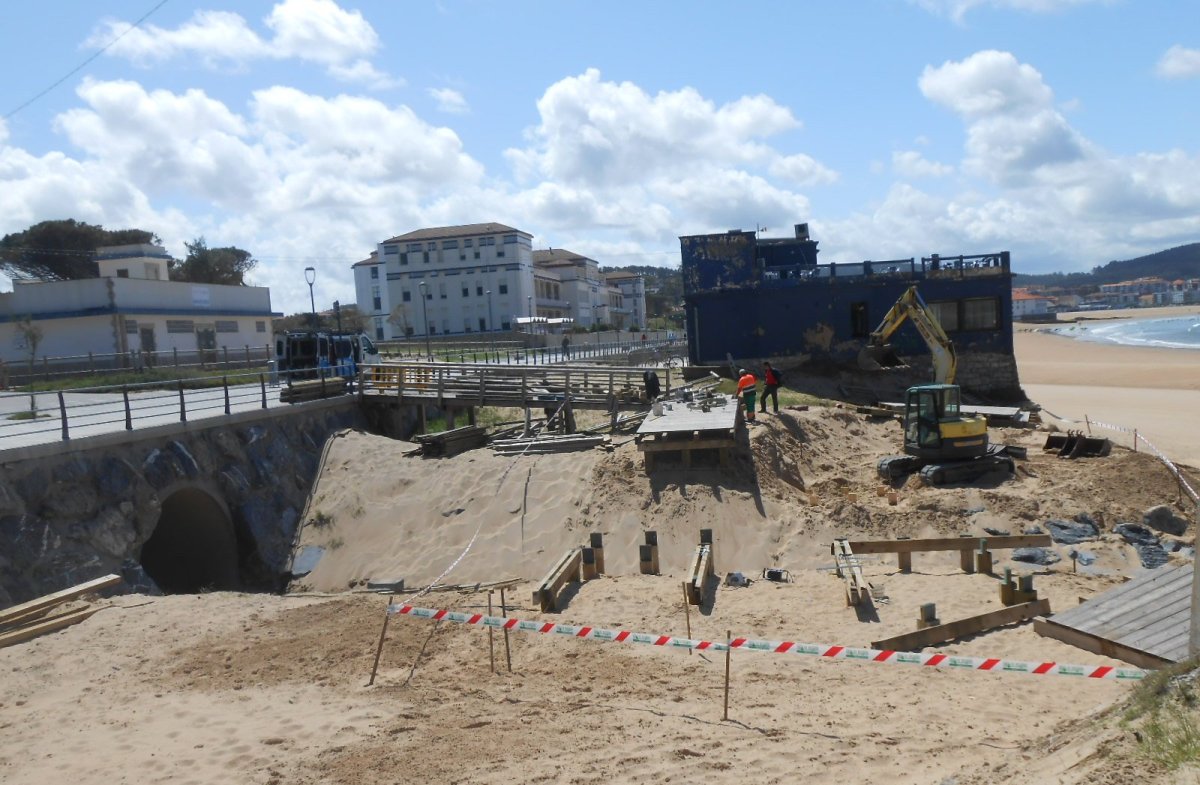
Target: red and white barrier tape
[777,647]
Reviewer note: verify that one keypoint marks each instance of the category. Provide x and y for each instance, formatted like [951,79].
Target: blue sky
[306,131]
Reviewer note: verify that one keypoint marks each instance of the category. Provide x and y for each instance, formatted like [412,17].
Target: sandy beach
[272,690]
[1155,390]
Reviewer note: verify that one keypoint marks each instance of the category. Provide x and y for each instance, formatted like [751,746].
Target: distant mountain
[1171,264]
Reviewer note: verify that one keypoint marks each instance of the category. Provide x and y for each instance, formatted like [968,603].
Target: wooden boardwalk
[463,385]
[685,427]
[1143,622]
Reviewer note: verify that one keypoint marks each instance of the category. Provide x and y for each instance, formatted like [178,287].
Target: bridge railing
[672,352]
[108,408]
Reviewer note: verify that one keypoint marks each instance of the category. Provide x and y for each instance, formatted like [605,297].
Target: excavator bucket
[1055,441]
[1074,444]
[878,357]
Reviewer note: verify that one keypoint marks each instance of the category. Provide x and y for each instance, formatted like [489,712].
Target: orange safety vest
[746,382]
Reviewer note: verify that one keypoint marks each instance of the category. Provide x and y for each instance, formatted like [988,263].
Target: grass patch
[786,397]
[28,415]
[1165,706]
[152,378]
[321,520]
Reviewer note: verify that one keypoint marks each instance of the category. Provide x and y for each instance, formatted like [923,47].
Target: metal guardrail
[672,353]
[47,368]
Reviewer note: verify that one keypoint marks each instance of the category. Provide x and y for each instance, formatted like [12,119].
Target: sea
[1176,332]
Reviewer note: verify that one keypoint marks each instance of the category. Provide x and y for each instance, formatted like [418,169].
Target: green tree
[227,266]
[30,336]
[62,250]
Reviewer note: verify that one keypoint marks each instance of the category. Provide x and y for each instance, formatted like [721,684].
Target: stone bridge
[179,508]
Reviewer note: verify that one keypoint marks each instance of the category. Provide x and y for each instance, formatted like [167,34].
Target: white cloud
[1179,63]
[449,101]
[316,31]
[958,9]
[802,170]
[910,163]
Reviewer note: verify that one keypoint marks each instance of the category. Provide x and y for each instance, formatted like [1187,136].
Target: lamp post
[337,311]
[425,316]
[491,325]
[529,302]
[310,275]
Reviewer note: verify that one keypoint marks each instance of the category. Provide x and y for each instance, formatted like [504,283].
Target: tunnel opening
[193,547]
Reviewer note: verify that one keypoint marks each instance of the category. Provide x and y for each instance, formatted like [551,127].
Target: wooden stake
[687,613]
[1135,439]
[728,640]
[504,613]
[1088,422]
[382,633]
[491,638]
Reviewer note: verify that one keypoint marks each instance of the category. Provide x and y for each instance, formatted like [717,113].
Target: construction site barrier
[826,651]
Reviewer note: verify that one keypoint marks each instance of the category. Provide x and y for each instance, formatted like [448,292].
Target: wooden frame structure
[577,564]
[858,591]
[26,621]
[684,428]
[966,546]
[702,568]
[942,633]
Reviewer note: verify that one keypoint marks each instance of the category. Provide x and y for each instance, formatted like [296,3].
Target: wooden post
[491,638]
[1088,422]
[504,613]
[648,554]
[587,564]
[966,561]
[728,640]
[927,616]
[905,561]
[687,613]
[983,559]
[382,633]
[596,540]
[1135,439]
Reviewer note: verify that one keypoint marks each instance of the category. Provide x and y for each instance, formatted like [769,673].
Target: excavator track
[955,472]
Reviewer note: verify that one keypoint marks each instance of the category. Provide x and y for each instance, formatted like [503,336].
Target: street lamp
[529,301]
[310,275]
[491,324]
[425,316]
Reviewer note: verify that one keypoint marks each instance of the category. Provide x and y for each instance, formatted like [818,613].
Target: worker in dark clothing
[653,389]
[771,381]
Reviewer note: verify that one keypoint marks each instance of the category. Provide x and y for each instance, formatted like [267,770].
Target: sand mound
[409,517]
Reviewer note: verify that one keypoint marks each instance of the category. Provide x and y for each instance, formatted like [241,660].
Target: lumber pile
[314,389]
[452,442]
[544,444]
[31,619]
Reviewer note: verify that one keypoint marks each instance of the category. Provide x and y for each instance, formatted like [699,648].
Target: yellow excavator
[943,444]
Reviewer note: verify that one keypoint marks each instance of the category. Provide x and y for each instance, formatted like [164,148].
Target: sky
[308,131]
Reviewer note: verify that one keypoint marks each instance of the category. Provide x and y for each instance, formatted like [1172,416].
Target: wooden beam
[564,571]
[911,641]
[22,634]
[858,591]
[948,544]
[57,598]
[1097,645]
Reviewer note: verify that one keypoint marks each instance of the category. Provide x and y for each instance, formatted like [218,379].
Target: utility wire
[84,64]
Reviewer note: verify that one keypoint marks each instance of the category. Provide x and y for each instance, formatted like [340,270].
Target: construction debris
[452,442]
[544,444]
[31,619]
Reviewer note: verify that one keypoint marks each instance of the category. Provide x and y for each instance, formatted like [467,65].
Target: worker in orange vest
[747,390]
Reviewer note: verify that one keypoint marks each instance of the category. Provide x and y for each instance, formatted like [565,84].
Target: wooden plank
[22,634]
[1137,619]
[564,571]
[59,597]
[949,544]
[1107,605]
[1047,628]
[858,591]
[911,641]
[684,445]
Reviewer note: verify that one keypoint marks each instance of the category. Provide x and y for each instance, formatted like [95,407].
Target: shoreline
[1155,390]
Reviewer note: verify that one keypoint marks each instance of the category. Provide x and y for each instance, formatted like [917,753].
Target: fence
[222,358]
[665,352]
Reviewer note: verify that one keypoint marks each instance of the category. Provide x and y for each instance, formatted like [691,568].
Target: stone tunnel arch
[194,546]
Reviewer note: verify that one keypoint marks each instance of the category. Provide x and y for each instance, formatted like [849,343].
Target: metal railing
[50,368]
[673,353]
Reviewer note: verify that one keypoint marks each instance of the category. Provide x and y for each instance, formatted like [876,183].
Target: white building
[1026,304]
[132,306]
[633,293]
[572,286]
[474,278]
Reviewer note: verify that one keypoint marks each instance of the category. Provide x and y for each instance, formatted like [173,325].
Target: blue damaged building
[753,298]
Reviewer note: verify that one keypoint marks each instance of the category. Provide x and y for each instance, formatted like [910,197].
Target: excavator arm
[910,306]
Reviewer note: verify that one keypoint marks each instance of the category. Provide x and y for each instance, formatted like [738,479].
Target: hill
[1171,264]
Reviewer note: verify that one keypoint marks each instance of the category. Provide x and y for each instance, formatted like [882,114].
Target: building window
[391,250]
[406,296]
[403,259]
[946,312]
[477,254]
[981,313]
[482,325]
[446,326]
[260,327]
[466,292]
[466,324]
[505,325]
[180,326]
[859,327]
[413,248]
[503,288]
[431,246]
[478,290]
[510,239]
[378,333]
[426,257]
[375,273]
[131,326]
[227,326]
[450,245]
[376,304]
[122,273]
[442,294]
